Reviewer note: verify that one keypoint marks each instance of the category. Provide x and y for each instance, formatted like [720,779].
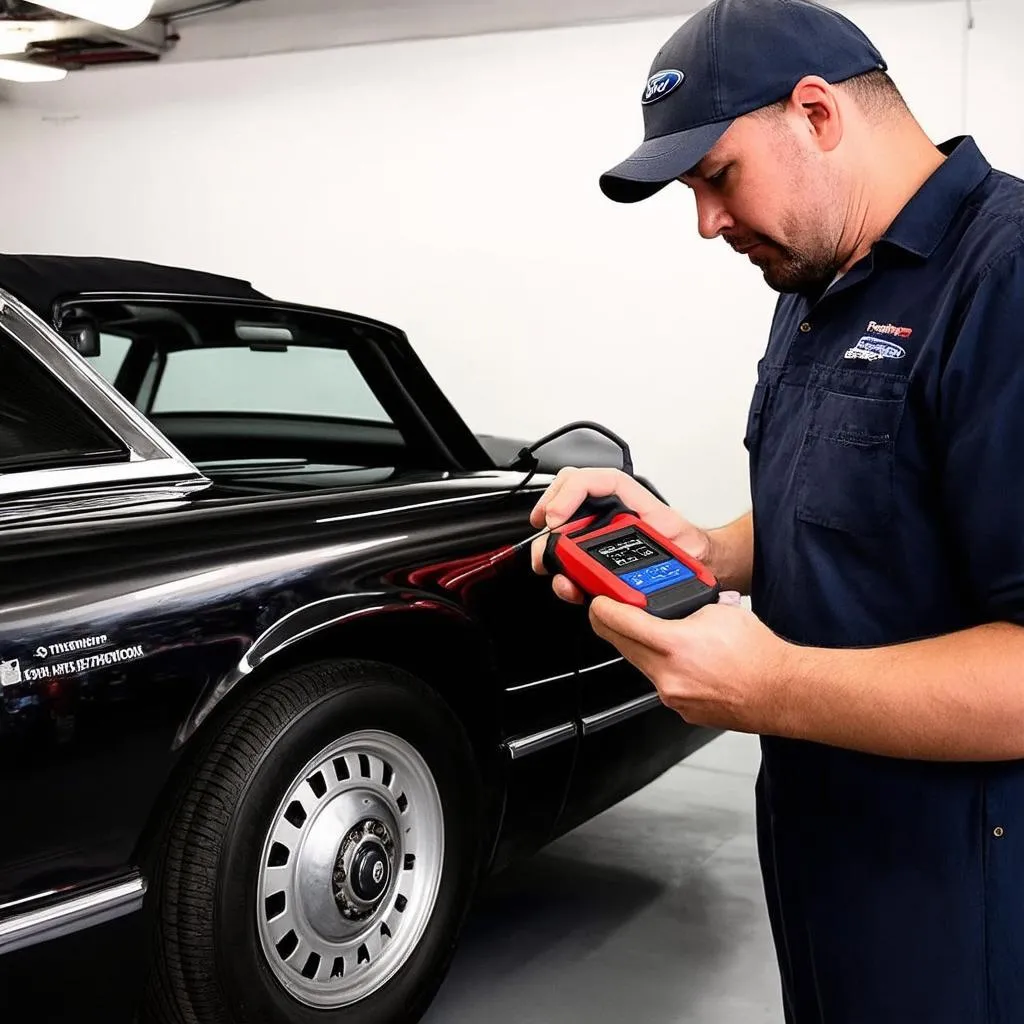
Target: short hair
[874,92]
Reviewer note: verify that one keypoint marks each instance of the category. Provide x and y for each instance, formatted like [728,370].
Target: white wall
[450,186]
[996,81]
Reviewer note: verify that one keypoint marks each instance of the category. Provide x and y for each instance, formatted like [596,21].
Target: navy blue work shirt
[886,441]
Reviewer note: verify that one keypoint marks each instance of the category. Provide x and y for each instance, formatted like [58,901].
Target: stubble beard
[794,271]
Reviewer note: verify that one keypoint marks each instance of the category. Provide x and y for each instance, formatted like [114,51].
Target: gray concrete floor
[652,912]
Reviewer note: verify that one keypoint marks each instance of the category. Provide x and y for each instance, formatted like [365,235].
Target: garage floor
[656,904]
[651,912]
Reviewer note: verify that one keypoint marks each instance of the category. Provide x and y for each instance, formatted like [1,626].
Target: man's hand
[571,487]
[956,697]
[719,667]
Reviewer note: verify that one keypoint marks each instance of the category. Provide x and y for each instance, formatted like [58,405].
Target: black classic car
[273,672]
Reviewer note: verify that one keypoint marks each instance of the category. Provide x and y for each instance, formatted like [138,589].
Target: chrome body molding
[71,915]
[619,713]
[523,745]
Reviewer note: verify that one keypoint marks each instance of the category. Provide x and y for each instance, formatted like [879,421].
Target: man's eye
[719,176]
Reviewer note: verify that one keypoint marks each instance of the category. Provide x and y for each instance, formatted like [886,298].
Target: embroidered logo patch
[891,330]
[872,349]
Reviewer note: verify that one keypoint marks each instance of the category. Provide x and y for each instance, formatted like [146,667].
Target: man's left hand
[719,667]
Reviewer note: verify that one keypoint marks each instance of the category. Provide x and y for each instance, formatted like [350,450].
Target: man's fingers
[537,555]
[646,659]
[537,516]
[562,586]
[569,489]
[567,590]
[564,503]
[614,618]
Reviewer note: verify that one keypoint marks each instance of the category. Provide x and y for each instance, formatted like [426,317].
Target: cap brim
[657,162]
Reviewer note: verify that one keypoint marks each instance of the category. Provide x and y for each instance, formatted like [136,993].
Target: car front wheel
[322,857]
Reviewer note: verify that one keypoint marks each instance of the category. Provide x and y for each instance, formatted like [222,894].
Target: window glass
[41,424]
[303,380]
[113,349]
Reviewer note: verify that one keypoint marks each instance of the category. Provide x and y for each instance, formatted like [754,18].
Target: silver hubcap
[350,869]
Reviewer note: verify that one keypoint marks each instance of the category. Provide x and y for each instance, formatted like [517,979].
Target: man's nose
[712,217]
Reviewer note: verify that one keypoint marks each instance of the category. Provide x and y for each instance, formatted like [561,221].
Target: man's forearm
[732,553]
[958,697]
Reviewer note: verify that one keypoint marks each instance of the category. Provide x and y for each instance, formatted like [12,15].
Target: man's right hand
[571,487]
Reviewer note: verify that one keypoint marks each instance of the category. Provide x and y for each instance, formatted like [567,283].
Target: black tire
[207,963]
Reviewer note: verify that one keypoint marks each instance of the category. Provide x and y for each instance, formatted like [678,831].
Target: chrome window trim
[152,456]
[77,477]
[71,915]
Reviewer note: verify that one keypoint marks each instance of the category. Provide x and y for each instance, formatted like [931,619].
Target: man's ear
[816,104]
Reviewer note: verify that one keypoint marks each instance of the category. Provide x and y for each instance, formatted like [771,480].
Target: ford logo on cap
[661,84]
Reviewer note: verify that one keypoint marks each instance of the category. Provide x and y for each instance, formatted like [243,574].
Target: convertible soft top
[42,281]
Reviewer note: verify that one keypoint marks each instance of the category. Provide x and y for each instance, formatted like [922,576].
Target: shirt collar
[924,220]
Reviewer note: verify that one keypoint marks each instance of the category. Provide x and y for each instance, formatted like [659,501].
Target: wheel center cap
[371,872]
[364,869]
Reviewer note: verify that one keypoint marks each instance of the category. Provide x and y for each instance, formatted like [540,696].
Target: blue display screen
[656,577]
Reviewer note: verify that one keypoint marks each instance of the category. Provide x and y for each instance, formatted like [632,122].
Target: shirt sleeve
[981,412]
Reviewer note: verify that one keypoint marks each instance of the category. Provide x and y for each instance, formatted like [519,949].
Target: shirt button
[997,831]
[805,327]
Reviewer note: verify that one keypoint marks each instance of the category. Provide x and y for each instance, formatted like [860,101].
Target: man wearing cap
[882,658]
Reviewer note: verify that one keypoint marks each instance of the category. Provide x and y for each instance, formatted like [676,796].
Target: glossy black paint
[140,614]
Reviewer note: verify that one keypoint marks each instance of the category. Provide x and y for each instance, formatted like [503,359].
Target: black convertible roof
[42,281]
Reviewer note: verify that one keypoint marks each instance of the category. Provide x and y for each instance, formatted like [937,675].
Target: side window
[113,349]
[41,424]
[302,380]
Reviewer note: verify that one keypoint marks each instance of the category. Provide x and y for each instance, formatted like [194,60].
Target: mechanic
[881,660]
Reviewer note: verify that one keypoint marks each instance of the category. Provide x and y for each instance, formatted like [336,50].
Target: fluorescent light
[122,14]
[25,71]
[10,44]
[15,36]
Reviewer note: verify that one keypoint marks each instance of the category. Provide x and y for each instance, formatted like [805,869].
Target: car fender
[305,629]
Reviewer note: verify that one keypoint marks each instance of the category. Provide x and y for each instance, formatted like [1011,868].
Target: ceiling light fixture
[119,14]
[15,36]
[26,71]
[11,45]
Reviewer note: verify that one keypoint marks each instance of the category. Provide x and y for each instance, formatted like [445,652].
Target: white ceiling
[268,26]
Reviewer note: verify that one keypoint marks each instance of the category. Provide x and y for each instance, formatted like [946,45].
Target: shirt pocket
[847,464]
[752,433]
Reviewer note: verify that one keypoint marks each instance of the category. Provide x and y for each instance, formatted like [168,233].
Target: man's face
[773,197]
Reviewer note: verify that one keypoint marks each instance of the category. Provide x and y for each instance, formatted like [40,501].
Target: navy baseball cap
[730,58]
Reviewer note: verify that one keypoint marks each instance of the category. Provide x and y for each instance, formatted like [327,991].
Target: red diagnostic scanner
[608,550]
